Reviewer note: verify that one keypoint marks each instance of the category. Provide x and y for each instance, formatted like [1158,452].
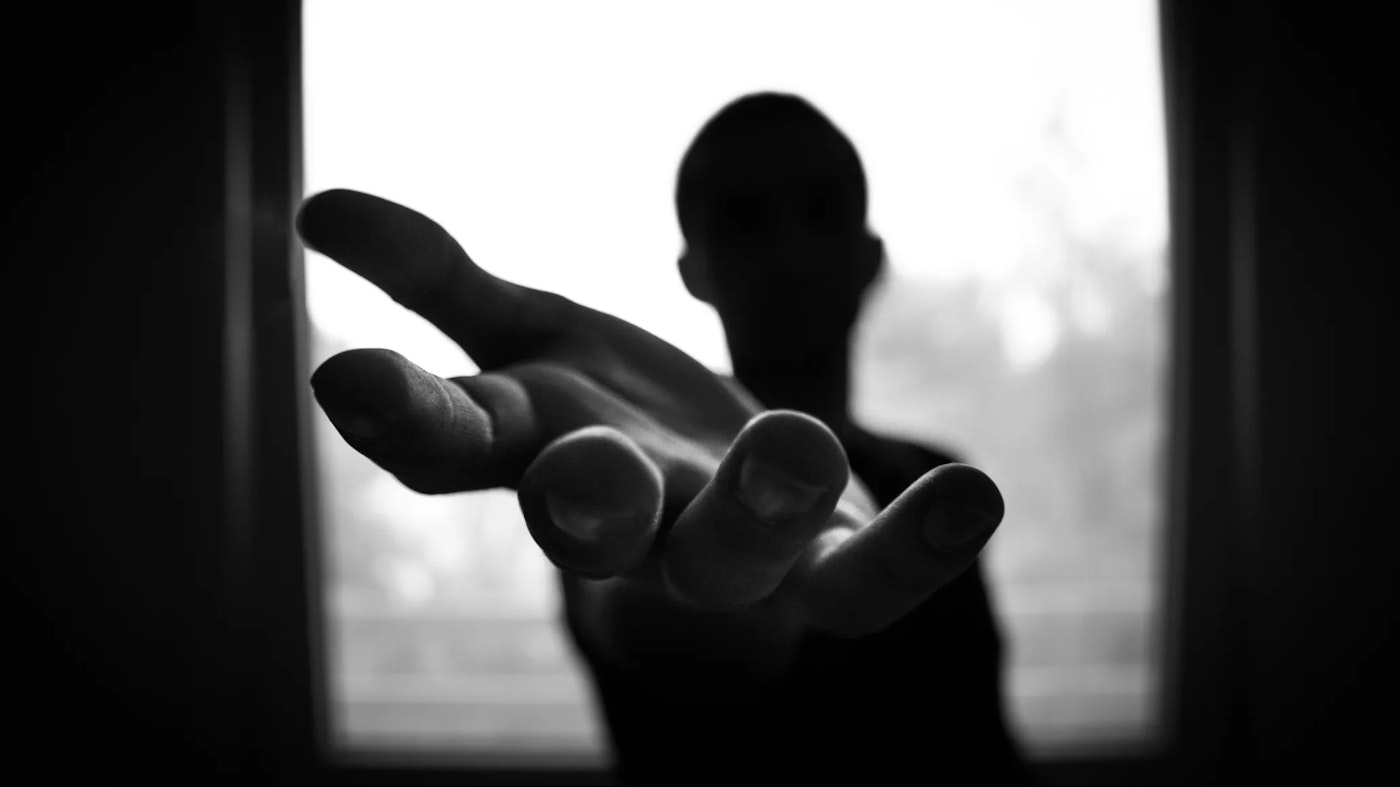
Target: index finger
[418,264]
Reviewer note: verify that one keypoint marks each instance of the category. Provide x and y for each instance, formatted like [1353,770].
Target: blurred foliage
[1074,439]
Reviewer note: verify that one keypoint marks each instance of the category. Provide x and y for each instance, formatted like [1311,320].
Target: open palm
[687,515]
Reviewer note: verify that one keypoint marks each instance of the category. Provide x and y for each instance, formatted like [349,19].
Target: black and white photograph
[666,392]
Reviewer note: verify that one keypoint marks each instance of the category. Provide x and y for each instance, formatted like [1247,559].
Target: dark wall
[1284,214]
[154,607]
[1326,212]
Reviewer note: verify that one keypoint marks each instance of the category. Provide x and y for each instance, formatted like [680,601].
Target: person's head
[771,200]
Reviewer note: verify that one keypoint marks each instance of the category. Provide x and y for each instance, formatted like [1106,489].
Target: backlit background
[1016,162]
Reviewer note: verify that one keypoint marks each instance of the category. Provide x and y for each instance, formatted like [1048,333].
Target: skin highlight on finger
[855,583]
[421,266]
[773,491]
[592,501]
[436,436]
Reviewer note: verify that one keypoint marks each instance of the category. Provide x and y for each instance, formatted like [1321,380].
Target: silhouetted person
[749,610]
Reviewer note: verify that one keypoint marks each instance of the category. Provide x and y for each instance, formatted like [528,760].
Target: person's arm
[640,473]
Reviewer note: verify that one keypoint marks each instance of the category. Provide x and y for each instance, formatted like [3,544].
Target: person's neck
[818,385]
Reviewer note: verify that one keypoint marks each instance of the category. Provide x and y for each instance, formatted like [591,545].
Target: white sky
[545,136]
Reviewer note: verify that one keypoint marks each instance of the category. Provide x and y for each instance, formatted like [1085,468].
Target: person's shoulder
[907,450]
[889,464]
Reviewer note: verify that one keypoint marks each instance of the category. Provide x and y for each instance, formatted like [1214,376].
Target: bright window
[1016,161]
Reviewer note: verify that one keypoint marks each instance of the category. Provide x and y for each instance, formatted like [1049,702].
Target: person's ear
[872,259]
[695,272]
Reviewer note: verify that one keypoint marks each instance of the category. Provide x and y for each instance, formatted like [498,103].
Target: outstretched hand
[687,513]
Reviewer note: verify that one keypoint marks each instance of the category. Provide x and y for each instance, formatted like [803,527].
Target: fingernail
[355,425]
[772,494]
[582,519]
[949,527]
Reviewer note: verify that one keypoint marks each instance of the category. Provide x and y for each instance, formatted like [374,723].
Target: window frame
[1210,448]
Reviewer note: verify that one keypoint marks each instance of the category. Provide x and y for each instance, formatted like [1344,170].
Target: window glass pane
[1016,162]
